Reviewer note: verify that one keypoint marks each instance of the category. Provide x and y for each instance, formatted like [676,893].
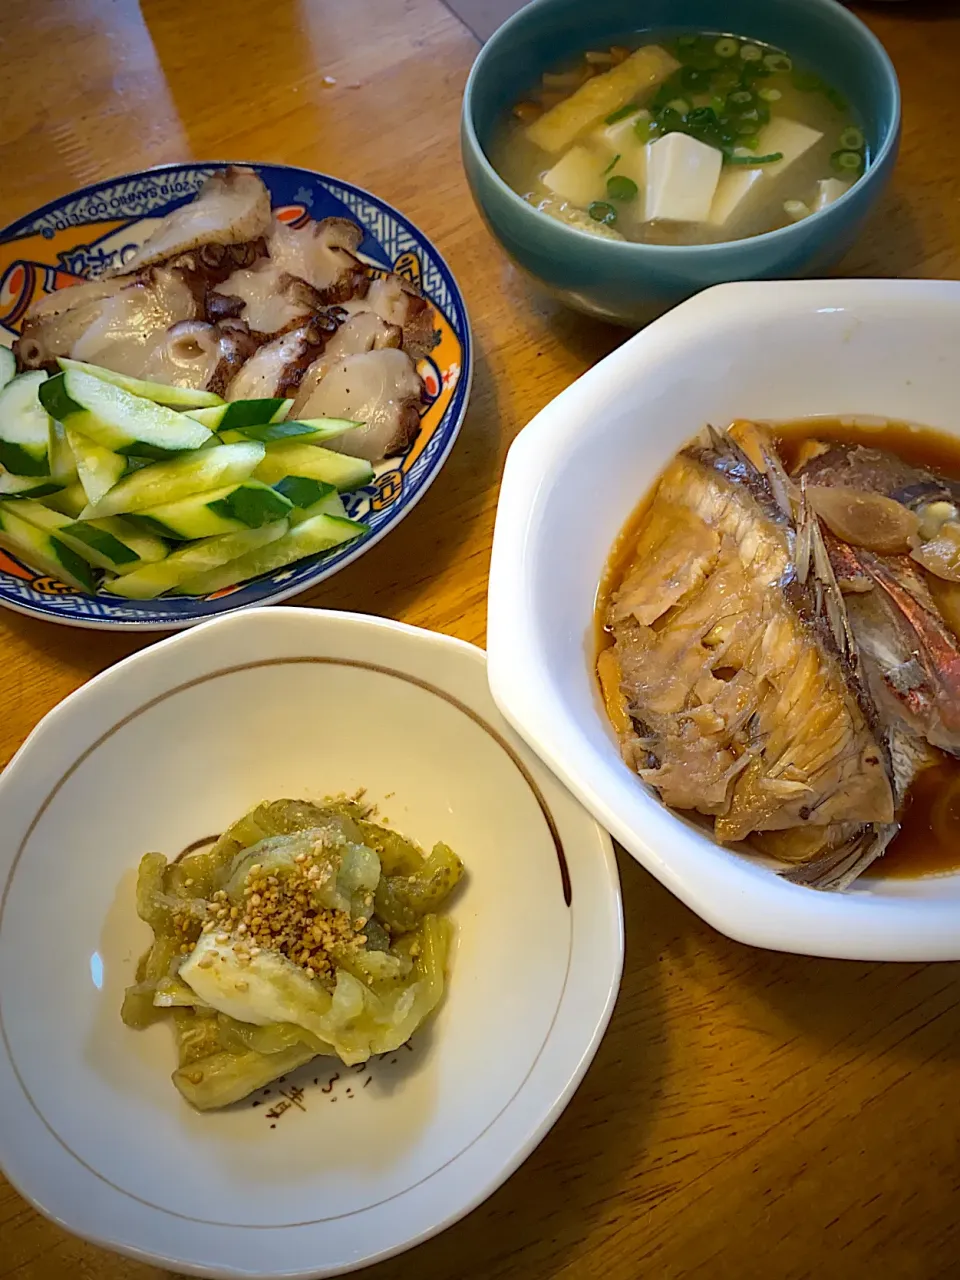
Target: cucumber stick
[70,501]
[312,536]
[241,413]
[174,397]
[43,550]
[309,431]
[8,366]
[24,426]
[197,558]
[290,458]
[98,469]
[166,482]
[96,542]
[118,420]
[246,505]
[27,486]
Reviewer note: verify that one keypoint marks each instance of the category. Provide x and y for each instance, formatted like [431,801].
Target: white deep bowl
[167,748]
[775,350]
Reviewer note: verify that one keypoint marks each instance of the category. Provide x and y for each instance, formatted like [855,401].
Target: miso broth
[695,140]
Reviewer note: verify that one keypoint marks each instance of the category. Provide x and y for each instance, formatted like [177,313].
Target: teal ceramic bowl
[631,283]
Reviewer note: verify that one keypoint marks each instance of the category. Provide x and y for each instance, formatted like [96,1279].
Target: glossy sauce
[929,839]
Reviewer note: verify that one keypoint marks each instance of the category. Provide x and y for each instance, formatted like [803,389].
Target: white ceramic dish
[168,747]
[769,350]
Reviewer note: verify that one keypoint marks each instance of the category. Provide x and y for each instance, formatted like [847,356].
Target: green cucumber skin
[253,507]
[19,460]
[104,543]
[55,399]
[302,491]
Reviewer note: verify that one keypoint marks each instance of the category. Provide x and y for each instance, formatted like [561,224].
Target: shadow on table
[838,1007]
[549,1206]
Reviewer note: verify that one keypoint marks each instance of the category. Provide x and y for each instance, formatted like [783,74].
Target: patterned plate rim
[452,419]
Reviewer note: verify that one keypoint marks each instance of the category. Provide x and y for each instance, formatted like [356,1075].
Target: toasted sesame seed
[243,985]
[188,881]
[205,963]
[242,927]
[234,913]
[223,937]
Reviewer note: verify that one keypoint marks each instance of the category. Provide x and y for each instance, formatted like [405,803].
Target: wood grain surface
[748,1114]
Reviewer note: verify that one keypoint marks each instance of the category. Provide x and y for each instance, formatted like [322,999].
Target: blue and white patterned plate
[81,235]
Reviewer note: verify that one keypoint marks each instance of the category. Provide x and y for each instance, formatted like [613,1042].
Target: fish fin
[838,868]
[801,551]
[829,597]
[782,487]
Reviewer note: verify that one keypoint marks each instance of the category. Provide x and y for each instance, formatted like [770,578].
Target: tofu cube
[682,177]
[829,190]
[789,136]
[577,177]
[619,137]
[740,188]
[735,185]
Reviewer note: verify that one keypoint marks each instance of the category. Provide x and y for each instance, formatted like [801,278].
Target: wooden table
[748,1114]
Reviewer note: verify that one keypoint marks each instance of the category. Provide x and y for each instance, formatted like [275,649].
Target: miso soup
[694,140]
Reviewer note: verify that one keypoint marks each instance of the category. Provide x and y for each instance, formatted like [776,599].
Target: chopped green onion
[752,160]
[726,47]
[695,78]
[847,161]
[645,128]
[717,104]
[680,105]
[600,211]
[620,187]
[805,82]
[751,52]
[751,142]
[621,113]
[748,122]
[770,95]
[851,139]
[687,42]
[742,97]
[778,62]
[836,99]
[610,165]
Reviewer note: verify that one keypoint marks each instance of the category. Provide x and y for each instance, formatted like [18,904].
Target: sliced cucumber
[98,469]
[175,397]
[94,543]
[118,420]
[24,426]
[43,550]
[241,413]
[310,498]
[309,431]
[27,486]
[290,458]
[306,539]
[70,501]
[63,463]
[199,557]
[170,481]
[246,505]
[8,366]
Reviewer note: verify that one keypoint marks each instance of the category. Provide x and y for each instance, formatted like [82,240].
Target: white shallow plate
[780,350]
[167,748]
